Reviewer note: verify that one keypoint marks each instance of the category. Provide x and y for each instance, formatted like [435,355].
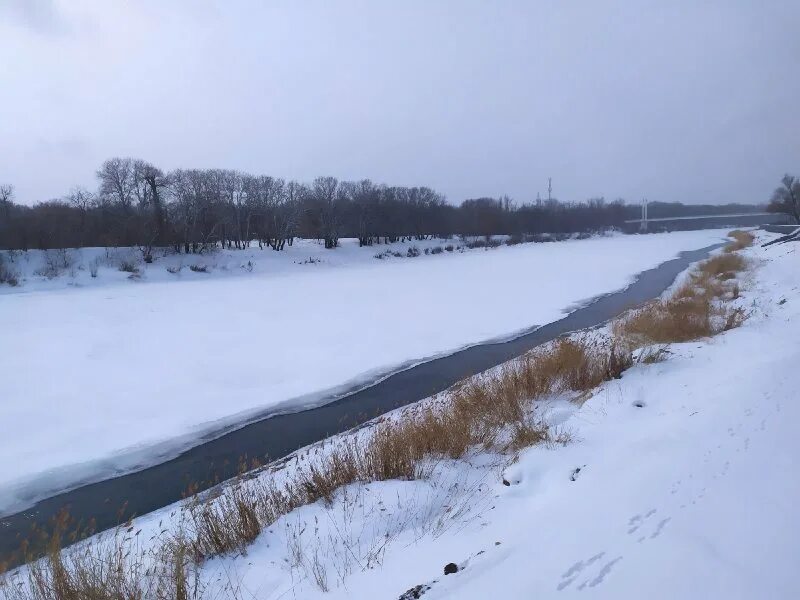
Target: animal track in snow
[660,527]
[637,521]
[601,575]
[575,570]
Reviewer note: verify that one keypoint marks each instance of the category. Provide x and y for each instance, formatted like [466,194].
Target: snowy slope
[687,488]
[100,376]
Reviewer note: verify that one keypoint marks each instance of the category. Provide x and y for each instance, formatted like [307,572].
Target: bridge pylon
[643,222]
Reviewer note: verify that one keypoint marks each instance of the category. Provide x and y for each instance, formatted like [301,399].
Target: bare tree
[326,194]
[786,198]
[6,192]
[117,180]
[6,198]
[82,200]
[363,195]
[153,182]
[6,203]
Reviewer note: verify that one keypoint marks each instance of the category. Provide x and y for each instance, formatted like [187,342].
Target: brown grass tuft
[101,570]
[666,321]
[726,264]
[742,240]
[227,524]
[695,310]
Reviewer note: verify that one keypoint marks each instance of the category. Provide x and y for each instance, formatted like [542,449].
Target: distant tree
[82,200]
[6,192]
[6,204]
[6,199]
[786,198]
[151,181]
[117,181]
[327,197]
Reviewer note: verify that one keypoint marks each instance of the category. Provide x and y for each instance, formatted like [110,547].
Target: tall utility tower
[643,222]
[549,189]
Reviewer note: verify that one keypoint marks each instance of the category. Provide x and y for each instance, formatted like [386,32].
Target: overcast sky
[673,100]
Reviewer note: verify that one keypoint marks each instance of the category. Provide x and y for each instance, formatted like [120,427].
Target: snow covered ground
[680,482]
[103,374]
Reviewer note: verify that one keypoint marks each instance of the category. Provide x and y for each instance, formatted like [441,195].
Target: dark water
[114,500]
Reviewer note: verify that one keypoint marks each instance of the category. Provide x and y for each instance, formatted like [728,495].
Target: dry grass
[113,567]
[695,310]
[228,524]
[492,411]
[490,406]
[723,265]
[741,240]
[667,321]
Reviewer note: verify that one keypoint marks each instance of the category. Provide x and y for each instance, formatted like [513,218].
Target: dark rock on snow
[416,592]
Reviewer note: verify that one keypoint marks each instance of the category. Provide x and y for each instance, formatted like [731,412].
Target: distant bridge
[644,220]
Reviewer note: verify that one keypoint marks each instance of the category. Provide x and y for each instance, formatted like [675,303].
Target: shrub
[198,268]
[94,267]
[7,274]
[128,266]
[449,247]
[56,261]
[541,238]
[437,250]
[413,252]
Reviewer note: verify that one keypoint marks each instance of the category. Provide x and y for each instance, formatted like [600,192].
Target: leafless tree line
[193,210]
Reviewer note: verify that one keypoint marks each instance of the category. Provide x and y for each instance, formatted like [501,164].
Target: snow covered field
[679,482]
[106,374]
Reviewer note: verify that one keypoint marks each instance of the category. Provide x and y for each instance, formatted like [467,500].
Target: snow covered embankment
[681,482]
[678,483]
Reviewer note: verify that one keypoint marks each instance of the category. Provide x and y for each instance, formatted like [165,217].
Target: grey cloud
[685,100]
[40,16]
